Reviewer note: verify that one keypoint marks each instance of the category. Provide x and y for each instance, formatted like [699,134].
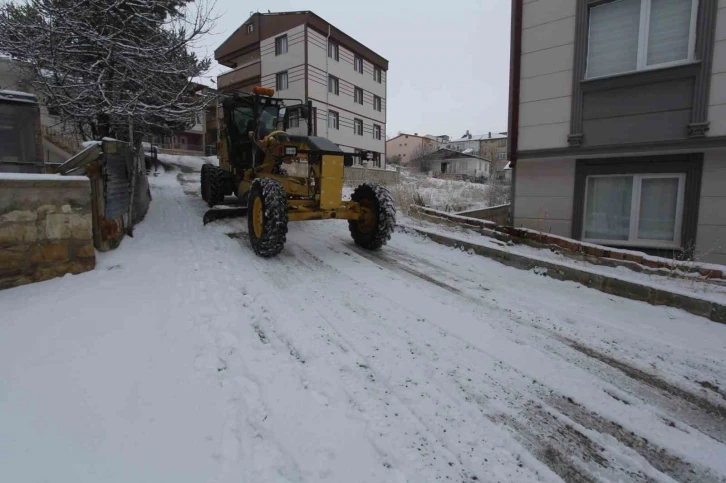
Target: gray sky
[449,61]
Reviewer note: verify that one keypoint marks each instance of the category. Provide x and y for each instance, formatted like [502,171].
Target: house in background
[617,122]
[446,162]
[20,133]
[405,147]
[304,57]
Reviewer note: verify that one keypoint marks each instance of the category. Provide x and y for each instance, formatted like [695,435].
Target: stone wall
[45,227]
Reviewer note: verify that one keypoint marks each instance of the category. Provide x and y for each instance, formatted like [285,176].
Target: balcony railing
[239,75]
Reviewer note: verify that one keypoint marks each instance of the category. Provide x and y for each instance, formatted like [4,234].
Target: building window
[250,28]
[333,51]
[281,81]
[281,45]
[333,85]
[639,209]
[502,143]
[377,160]
[377,74]
[294,119]
[376,131]
[333,120]
[501,155]
[628,35]
[358,64]
[358,96]
[377,104]
[358,127]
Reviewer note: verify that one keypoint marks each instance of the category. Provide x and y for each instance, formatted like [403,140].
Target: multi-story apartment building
[618,122]
[304,57]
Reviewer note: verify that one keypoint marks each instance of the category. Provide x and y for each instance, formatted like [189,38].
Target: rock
[81,226]
[66,208]
[45,209]
[85,251]
[50,252]
[18,233]
[58,226]
[16,216]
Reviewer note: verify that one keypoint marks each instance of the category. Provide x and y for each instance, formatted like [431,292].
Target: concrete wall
[543,195]
[320,66]
[717,95]
[45,228]
[355,175]
[548,35]
[711,234]
[497,214]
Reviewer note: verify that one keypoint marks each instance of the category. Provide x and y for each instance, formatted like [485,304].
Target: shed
[449,162]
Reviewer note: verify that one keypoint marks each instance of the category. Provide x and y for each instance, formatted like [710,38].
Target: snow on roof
[18,96]
[508,165]
[39,177]
[481,137]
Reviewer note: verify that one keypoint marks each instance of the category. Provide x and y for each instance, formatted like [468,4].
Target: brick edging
[604,283]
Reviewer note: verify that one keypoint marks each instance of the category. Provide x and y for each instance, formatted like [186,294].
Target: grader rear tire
[267,217]
[378,216]
[216,178]
[205,180]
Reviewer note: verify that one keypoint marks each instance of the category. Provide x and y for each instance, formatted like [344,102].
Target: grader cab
[254,150]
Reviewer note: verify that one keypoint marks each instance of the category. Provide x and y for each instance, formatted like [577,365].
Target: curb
[604,283]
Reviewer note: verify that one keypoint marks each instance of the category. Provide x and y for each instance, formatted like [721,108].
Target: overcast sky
[448,61]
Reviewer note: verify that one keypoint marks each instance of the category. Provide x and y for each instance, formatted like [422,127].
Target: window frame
[356,124]
[333,81]
[278,45]
[377,76]
[278,77]
[294,119]
[357,59]
[333,48]
[377,131]
[633,240]
[250,28]
[357,99]
[641,63]
[336,119]
[501,156]
[379,108]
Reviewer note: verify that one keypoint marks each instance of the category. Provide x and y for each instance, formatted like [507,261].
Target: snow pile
[194,163]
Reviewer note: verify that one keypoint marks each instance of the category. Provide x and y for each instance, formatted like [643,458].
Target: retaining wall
[45,228]
[497,214]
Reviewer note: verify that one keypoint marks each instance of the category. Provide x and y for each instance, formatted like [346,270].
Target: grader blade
[220,213]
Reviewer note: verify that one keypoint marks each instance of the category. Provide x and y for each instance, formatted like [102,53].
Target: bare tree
[420,159]
[106,65]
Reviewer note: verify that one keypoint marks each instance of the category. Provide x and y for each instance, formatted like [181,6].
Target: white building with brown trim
[304,57]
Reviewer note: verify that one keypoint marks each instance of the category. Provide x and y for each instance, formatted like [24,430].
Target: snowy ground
[447,195]
[185,358]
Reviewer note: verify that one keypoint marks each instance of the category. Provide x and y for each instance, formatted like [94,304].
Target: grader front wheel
[267,217]
[377,219]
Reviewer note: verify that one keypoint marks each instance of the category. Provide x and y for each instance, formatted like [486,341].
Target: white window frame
[333,82]
[281,45]
[356,124]
[333,51]
[379,107]
[377,131]
[279,78]
[358,64]
[377,76]
[356,99]
[335,117]
[501,156]
[643,32]
[633,240]
[250,28]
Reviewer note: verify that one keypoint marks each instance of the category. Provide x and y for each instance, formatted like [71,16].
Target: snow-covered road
[183,357]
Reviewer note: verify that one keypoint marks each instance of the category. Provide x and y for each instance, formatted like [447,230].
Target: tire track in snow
[703,472]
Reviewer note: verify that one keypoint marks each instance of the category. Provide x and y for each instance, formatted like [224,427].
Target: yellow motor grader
[253,150]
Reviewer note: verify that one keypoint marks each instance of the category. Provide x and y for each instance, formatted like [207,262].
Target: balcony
[239,77]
